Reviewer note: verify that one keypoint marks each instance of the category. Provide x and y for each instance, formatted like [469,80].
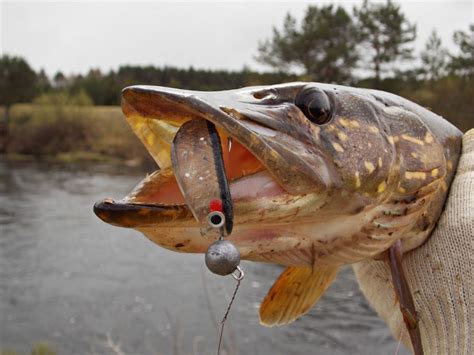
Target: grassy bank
[71,133]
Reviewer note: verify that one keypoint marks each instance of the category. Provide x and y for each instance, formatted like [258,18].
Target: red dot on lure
[215,205]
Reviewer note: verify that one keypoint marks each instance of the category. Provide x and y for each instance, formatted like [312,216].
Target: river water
[86,287]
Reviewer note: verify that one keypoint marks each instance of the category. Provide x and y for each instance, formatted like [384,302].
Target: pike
[320,176]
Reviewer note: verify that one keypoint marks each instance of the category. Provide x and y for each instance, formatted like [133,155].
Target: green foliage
[463,63]
[60,80]
[62,98]
[434,59]
[385,35]
[323,45]
[42,82]
[328,45]
[17,80]
[72,133]
[55,124]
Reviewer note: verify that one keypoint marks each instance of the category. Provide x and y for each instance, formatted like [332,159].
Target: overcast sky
[75,36]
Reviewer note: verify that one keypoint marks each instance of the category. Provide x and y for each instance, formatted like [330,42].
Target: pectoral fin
[293,294]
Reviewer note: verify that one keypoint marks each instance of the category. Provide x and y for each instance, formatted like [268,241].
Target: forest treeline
[370,46]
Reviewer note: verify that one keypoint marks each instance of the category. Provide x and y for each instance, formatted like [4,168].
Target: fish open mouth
[259,168]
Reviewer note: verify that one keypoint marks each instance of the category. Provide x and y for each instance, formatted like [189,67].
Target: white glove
[439,273]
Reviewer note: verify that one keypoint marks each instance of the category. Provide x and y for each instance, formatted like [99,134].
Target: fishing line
[397,350]
[223,258]
[238,278]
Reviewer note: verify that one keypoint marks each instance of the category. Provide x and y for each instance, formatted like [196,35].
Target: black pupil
[216,219]
[315,105]
[316,109]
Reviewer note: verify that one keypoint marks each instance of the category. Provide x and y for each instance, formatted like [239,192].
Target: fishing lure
[198,166]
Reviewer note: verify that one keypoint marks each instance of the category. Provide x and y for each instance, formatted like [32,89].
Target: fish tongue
[196,155]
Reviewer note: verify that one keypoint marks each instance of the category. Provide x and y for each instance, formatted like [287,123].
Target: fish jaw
[261,222]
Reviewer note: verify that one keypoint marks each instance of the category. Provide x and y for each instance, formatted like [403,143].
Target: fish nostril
[260,95]
[270,94]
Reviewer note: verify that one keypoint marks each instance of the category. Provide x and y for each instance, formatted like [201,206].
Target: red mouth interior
[238,162]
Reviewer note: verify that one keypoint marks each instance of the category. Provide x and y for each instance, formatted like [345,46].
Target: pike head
[319,174]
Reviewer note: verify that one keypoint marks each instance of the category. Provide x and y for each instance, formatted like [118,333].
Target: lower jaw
[264,216]
[264,205]
[264,243]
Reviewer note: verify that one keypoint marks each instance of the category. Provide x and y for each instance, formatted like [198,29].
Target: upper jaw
[272,129]
[255,118]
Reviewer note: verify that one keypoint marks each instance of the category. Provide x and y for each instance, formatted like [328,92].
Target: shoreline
[86,160]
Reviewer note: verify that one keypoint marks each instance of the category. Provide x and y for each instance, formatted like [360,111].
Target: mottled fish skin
[377,172]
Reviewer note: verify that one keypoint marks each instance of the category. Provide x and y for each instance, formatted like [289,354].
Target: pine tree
[17,84]
[434,59]
[323,46]
[463,63]
[385,34]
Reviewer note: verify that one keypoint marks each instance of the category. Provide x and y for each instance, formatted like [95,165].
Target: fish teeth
[229,143]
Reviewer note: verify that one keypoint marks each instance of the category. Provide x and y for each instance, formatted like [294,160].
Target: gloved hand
[439,273]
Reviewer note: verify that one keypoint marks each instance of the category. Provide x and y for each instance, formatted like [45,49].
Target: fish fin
[293,294]
[404,296]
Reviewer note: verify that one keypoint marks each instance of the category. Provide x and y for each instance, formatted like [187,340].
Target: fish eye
[315,105]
